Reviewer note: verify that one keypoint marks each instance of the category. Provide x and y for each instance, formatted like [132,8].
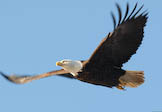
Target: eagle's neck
[74,74]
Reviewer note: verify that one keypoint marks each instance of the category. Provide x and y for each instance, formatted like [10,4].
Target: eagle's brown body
[104,78]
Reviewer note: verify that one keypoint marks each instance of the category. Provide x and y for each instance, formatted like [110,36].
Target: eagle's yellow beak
[58,63]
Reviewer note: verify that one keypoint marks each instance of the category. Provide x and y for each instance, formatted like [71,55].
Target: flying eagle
[104,67]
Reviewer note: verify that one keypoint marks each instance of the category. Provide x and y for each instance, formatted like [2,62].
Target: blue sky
[34,34]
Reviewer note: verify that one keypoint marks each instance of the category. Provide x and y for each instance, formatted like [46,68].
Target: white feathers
[71,66]
[132,78]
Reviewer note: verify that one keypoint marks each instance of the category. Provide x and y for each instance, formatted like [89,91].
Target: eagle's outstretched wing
[22,79]
[122,43]
[28,78]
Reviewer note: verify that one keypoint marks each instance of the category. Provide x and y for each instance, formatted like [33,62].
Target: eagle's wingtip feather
[4,75]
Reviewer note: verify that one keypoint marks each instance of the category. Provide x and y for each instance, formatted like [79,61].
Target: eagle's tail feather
[132,79]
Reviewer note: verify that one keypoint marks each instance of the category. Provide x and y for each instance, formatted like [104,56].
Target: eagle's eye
[63,62]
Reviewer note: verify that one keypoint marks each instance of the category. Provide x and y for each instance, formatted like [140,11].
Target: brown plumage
[104,65]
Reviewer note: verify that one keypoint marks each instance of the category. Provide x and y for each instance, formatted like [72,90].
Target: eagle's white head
[71,66]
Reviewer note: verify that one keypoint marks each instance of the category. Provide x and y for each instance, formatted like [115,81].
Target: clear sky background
[34,34]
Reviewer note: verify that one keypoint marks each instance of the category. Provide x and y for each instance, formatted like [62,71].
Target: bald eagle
[104,67]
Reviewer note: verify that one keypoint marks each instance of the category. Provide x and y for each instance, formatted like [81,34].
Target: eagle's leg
[120,87]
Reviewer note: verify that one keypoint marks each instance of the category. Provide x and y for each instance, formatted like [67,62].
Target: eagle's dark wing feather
[118,47]
[67,75]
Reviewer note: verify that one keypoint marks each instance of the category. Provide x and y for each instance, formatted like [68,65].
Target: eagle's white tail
[132,78]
